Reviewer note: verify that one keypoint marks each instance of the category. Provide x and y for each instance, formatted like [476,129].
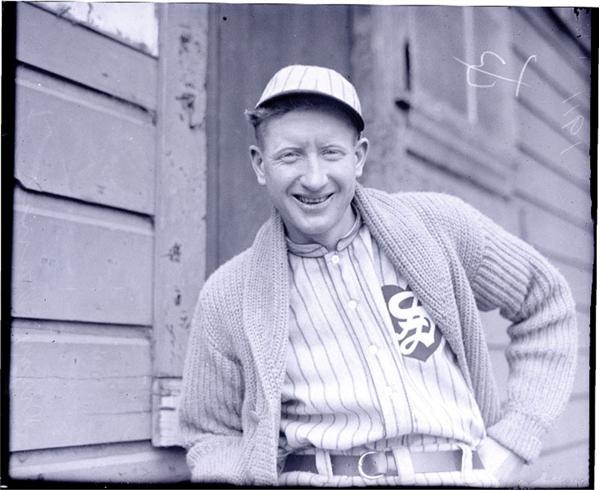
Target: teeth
[312,200]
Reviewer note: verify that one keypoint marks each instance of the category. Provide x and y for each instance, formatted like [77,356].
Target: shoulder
[435,203]
[450,221]
[432,208]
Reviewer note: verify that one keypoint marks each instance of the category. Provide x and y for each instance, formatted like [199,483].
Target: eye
[332,153]
[288,156]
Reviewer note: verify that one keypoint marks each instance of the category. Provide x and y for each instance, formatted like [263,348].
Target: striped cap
[301,79]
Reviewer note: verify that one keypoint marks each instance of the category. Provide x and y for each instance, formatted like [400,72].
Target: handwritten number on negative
[479,69]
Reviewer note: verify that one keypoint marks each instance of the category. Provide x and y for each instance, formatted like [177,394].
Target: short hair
[279,106]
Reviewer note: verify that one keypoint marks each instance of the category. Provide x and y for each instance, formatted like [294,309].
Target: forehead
[311,123]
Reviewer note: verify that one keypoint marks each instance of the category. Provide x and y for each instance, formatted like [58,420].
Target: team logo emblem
[415,331]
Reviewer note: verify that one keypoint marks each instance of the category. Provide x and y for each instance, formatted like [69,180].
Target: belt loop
[404,464]
[323,462]
[467,458]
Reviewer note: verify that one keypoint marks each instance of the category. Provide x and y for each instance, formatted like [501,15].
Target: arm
[211,401]
[541,355]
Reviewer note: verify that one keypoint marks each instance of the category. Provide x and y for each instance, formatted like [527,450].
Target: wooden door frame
[212,139]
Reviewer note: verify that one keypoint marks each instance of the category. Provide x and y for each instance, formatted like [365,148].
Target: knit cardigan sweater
[456,260]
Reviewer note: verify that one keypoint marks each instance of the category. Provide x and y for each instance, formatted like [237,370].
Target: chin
[315,231]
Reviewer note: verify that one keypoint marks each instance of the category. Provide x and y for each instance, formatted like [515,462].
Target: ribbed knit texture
[455,260]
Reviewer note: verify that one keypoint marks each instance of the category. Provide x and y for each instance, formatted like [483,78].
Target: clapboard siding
[129,462]
[554,197]
[433,142]
[552,148]
[78,143]
[560,468]
[583,324]
[566,73]
[555,236]
[74,384]
[581,386]
[83,55]
[74,261]
[422,175]
[571,427]
[539,185]
[84,251]
[113,20]
[552,104]
[580,281]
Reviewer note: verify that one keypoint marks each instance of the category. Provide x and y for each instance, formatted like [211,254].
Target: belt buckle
[360,464]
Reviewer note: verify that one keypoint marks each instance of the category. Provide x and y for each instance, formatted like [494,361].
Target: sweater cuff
[217,459]
[520,433]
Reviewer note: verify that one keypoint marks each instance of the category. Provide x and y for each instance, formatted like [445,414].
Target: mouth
[312,200]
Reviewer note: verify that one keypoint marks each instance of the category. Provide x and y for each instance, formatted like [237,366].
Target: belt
[375,464]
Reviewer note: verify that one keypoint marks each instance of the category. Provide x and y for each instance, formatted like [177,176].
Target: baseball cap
[307,79]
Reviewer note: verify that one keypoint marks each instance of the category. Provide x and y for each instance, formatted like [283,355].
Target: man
[345,347]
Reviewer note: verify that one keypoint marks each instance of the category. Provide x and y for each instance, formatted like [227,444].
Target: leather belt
[375,464]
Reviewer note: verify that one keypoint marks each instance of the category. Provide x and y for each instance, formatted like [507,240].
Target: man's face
[309,161]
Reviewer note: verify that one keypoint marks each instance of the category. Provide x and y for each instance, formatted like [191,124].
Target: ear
[258,163]
[360,152]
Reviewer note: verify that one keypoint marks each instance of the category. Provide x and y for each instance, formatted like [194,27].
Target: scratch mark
[572,97]
[567,149]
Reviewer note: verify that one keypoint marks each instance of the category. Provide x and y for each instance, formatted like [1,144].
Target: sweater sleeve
[535,297]
[211,401]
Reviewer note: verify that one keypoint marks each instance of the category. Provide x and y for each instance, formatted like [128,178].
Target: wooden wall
[94,222]
[520,158]
[553,198]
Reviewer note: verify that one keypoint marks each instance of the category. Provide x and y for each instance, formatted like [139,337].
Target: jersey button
[335,259]
[373,350]
[352,304]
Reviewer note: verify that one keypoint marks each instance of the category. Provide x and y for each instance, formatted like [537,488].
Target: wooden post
[180,245]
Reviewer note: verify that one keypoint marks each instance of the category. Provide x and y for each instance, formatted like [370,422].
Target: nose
[314,176]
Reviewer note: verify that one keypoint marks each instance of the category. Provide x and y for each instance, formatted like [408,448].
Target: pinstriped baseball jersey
[366,366]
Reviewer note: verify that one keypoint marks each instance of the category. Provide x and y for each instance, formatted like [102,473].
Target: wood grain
[558,237]
[552,147]
[580,282]
[565,468]
[180,239]
[128,462]
[540,185]
[530,33]
[74,261]
[166,393]
[77,143]
[74,384]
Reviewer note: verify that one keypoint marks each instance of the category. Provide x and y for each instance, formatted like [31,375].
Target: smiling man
[345,346]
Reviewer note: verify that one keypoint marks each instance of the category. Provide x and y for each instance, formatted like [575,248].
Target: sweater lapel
[266,303]
[418,257]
